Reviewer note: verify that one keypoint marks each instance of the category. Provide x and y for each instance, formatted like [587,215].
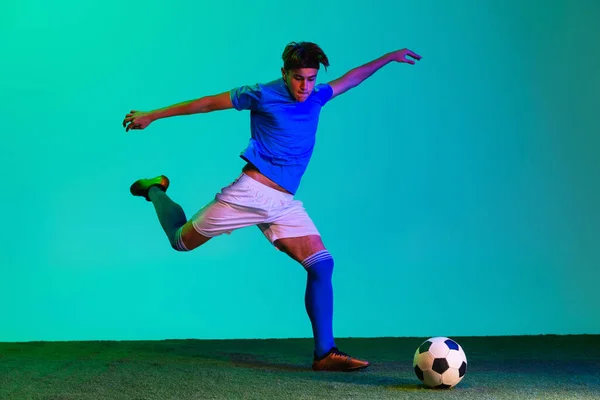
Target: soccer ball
[440,363]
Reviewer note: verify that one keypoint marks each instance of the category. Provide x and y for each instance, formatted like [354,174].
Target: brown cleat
[336,360]
[142,186]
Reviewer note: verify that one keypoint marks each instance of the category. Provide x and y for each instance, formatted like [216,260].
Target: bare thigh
[300,248]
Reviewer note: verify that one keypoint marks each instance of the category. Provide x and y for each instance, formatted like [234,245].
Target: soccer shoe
[336,360]
[142,186]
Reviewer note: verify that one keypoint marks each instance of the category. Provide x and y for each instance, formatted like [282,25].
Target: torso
[255,174]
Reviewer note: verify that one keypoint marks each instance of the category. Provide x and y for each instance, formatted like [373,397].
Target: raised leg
[180,232]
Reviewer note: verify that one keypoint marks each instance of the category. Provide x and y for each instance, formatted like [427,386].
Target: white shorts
[247,202]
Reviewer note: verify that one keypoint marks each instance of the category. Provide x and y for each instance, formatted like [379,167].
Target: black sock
[170,214]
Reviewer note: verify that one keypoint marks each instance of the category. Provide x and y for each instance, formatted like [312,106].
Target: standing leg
[312,254]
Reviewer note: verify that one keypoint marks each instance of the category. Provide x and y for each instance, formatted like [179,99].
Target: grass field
[509,367]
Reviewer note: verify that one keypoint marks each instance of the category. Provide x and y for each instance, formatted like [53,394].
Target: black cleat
[142,186]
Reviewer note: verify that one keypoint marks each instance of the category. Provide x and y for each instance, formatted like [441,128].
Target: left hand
[401,56]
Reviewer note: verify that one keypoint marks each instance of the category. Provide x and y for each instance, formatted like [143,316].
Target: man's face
[300,82]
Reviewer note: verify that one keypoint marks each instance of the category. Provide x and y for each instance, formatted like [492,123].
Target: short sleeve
[323,93]
[245,97]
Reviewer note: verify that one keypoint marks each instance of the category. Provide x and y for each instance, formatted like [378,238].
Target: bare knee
[300,248]
[188,238]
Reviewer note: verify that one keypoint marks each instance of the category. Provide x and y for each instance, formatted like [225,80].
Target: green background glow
[459,196]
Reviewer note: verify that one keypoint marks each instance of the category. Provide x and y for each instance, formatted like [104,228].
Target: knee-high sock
[319,299]
[170,215]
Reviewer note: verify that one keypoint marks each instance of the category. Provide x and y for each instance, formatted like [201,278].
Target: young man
[284,118]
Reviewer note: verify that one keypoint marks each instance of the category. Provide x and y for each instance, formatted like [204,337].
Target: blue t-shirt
[282,129]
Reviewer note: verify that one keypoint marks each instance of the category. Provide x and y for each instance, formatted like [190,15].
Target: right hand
[137,120]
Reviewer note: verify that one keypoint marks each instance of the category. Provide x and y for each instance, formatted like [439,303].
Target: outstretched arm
[355,76]
[141,119]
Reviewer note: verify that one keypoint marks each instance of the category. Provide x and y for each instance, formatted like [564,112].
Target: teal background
[459,196]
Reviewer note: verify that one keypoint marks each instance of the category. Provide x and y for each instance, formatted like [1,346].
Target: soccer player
[284,115]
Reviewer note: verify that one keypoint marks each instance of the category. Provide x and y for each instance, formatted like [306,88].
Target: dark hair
[303,55]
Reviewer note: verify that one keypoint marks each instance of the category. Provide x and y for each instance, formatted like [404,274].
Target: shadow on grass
[371,376]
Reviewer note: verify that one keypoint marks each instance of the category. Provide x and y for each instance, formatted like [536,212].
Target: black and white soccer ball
[440,363]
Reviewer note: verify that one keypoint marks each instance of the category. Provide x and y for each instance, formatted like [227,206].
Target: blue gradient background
[459,196]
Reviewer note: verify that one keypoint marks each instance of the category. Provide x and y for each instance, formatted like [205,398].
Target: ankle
[153,190]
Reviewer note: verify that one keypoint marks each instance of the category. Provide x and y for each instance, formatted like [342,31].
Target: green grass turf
[515,367]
